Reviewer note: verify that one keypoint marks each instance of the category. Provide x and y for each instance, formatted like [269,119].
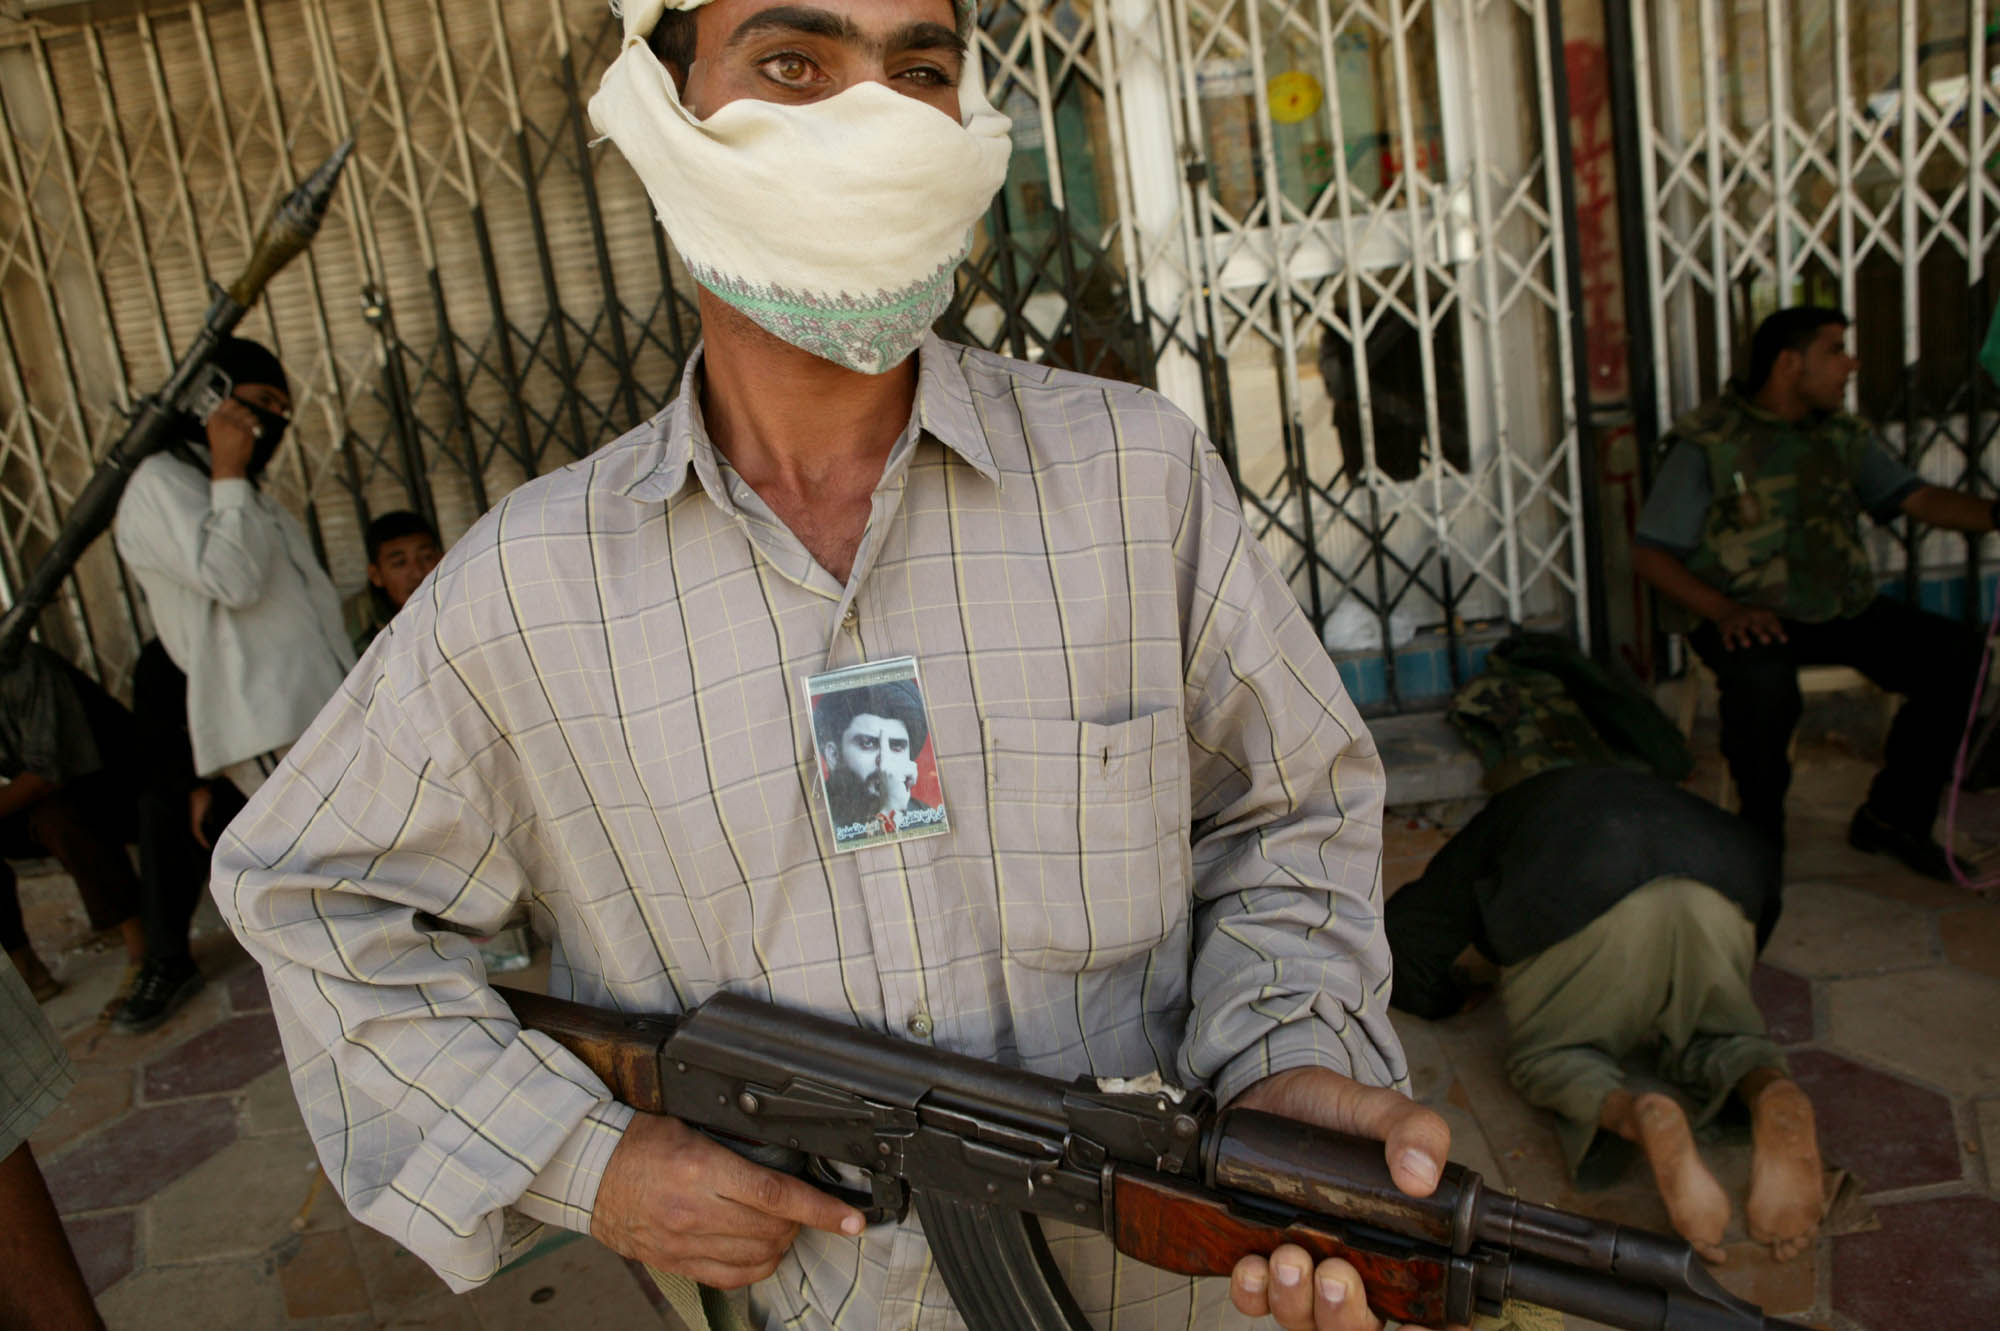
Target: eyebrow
[810,21]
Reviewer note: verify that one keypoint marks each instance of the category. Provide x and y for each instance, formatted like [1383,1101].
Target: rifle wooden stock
[622,1049]
[1193,1232]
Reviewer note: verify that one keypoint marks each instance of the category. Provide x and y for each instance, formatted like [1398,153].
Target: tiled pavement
[1884,990]
[193,1197]
[192,1194]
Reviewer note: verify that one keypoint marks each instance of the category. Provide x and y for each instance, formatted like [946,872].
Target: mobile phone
[211,388]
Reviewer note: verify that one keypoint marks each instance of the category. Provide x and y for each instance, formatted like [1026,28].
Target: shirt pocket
[1090,847]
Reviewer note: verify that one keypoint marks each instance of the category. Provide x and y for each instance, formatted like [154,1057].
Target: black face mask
[271,429]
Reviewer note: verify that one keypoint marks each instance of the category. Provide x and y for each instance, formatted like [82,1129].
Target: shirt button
[920,1026]
[847,620]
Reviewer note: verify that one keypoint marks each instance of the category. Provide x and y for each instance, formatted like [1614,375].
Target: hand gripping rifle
[984,1152]
[290,229]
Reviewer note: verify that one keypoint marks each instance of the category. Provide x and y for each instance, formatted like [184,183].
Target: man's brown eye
[791,69]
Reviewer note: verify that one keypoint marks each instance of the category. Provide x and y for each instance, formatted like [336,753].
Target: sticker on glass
[871,737]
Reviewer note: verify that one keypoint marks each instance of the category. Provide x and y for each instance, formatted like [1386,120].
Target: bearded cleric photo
[893,682]
[880,777]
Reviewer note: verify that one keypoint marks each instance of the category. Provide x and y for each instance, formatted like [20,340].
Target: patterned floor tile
[105,1245]
[1430,1067]
[321,1278]
[1972,937]
[1895,883]
[580,1284]
[139,1155]
[1786,1002]
[1835,929]
[100,1095]
[211,1295]
[225,1057]
[269,1105]
[1781,1289]
[1930,1265]
[1887,1132]
[241,1203]
[443,1311]
[96,1043]
[1988,1114]
[247,992]
[397,1279]
[1816,849]
[1935,1024]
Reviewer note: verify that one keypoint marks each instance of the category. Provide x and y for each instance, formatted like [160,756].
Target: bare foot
[1695,1202]
[1785,1189]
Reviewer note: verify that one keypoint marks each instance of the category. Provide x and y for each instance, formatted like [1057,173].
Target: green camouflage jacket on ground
[1540,702]
[1783,526]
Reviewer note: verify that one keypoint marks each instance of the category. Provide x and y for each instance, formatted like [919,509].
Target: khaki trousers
[699,1307]
[1667,968]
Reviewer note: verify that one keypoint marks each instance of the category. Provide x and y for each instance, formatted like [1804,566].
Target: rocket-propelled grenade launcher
[984,1152]
[291,227]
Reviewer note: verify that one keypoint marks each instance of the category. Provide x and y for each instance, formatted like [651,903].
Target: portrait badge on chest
[871,741]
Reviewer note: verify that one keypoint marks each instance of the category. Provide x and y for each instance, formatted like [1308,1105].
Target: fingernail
[1421,1165]
[1288,1275]
[851,1225]
[1333,1290]
[1253,1281]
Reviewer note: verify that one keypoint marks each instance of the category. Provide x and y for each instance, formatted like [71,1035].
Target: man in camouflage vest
[1753,528]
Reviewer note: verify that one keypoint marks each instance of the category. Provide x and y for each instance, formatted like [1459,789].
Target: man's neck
[1782,401]
[790,421]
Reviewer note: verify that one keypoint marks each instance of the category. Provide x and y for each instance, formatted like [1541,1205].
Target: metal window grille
[1842,152]
[1336,233]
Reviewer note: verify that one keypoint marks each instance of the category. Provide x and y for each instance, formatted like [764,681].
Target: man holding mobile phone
[237,592]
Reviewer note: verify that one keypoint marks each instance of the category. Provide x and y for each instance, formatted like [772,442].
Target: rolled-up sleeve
[1291,966]
[347,878]
[1676,507]
[1882,483]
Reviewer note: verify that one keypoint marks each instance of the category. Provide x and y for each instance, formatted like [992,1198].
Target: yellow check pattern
[35,1072]
[1165,813]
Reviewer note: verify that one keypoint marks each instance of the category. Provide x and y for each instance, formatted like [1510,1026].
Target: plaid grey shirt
[35,1072]
[1165,813]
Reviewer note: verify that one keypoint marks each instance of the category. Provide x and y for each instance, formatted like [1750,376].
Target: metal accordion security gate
[1347,247]
[1337,232]
[1839,152]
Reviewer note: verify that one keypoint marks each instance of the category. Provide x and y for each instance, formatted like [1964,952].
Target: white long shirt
[241,605]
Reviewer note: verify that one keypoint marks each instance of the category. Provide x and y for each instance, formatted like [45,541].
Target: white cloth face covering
[837,225]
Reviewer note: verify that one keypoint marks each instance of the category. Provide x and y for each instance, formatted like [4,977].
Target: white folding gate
[1333,230]
[1345,231]
[1844,152]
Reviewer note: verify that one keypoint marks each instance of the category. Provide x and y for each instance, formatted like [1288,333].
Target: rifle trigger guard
[886,1202]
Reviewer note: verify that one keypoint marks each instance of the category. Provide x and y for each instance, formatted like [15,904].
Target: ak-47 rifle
[291,227]
[983,1152]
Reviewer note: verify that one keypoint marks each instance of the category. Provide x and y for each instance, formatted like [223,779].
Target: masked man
[237,593]
[1164,840]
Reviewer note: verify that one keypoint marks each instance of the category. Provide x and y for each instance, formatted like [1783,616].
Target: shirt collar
[680,442]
